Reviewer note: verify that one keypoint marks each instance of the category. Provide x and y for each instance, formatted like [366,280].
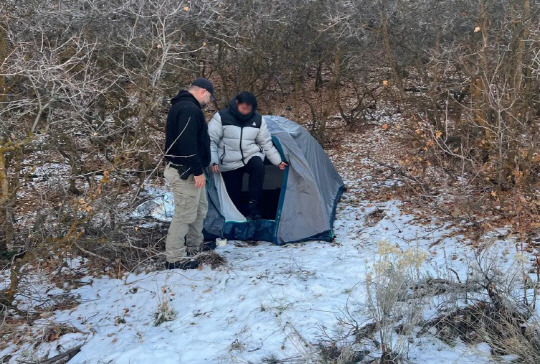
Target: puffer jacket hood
[185,95]
[233,108]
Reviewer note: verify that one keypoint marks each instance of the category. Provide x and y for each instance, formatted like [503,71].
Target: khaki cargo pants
[190,208]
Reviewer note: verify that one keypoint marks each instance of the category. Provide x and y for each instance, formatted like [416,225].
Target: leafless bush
[494,306]
[487,303]
[388,300]
[388,321]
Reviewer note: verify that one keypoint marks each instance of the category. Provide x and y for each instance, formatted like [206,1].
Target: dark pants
[233,181]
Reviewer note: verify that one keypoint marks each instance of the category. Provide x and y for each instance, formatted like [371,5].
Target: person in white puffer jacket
[239,142]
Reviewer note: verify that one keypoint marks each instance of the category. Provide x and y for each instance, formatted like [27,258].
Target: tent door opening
[269,201]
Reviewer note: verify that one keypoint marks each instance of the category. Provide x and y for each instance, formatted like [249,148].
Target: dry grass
[211,258]
[164,312]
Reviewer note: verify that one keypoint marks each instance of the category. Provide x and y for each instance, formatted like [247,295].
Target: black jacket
[192,147]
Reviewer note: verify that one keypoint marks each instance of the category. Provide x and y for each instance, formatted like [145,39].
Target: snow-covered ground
[266,302]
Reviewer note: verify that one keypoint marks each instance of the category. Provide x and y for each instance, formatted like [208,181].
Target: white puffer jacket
[233,143]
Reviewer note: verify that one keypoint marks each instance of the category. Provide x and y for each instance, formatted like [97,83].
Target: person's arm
[264,140]
[215,130]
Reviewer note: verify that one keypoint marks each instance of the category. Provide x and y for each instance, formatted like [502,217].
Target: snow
[266,302]
[435,351]
[159,206]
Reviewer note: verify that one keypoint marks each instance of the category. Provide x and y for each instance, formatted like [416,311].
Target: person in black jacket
[187,154]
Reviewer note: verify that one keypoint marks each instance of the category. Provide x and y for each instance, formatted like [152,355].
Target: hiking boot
[254,213]
[182,264]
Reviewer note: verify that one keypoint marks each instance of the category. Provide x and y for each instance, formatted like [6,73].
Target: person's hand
[215,168]
[200,181]
[282,165]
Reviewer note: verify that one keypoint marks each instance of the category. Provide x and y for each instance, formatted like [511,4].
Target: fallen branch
[68,354]
[91,253]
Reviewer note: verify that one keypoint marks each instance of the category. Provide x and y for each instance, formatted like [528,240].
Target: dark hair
[248,98]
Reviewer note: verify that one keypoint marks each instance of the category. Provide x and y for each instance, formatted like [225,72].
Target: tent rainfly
[298,204]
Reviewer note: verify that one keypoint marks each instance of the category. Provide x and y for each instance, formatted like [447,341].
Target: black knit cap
[204,83]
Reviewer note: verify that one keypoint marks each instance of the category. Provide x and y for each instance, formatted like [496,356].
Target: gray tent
[298,204]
